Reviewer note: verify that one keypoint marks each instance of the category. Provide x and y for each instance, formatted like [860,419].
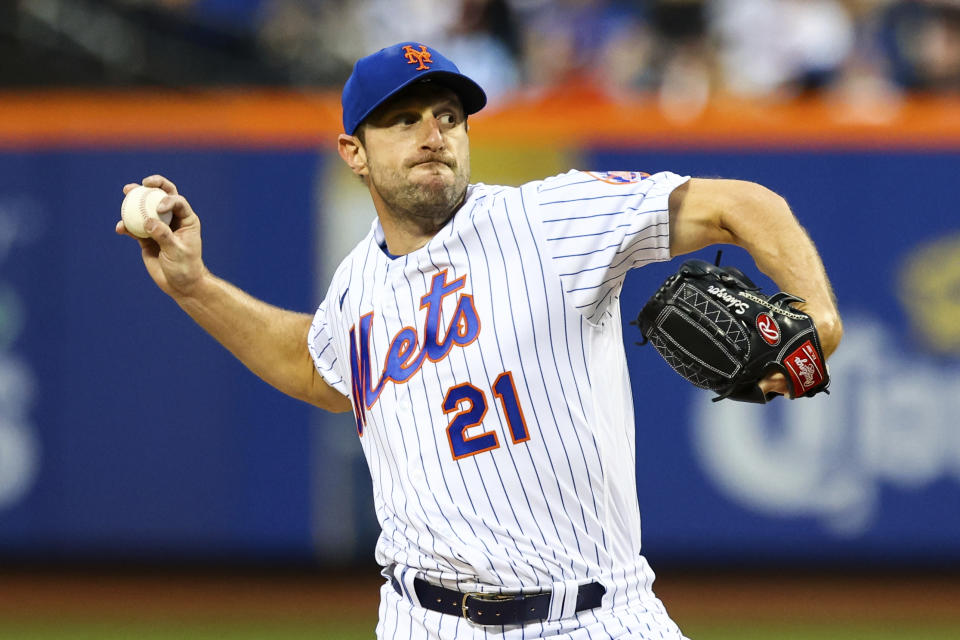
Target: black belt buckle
[491,598]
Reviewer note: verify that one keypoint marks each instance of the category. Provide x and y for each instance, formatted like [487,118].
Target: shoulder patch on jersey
[618,177]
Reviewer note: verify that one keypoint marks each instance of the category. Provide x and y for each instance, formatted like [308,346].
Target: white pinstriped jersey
[489,380]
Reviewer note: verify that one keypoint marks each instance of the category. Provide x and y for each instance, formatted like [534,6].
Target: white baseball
[140,205]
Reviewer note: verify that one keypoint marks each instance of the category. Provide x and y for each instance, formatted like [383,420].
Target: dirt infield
[259,595]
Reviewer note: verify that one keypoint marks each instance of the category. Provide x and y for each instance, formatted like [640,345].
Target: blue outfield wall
[126,432]
[138,435]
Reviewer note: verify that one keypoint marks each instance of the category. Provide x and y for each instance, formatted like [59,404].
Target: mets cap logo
[421,57]
[618,177]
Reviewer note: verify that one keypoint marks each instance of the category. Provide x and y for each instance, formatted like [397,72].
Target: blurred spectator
[320,40]
[311,39]
[922,41]
[483,42]
[316,37]
[768,47]
[687,62]
[604,43]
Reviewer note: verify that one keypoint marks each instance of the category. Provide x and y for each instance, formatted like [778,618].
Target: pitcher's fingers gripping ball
[716,329]
[139,205]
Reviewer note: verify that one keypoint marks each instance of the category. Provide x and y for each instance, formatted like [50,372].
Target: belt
[496,609]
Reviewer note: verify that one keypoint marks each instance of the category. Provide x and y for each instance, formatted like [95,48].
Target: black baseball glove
[715,328]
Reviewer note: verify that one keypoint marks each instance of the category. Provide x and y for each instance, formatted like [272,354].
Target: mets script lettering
[407,352]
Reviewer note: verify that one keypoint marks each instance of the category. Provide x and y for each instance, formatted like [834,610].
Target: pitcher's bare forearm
[270,341]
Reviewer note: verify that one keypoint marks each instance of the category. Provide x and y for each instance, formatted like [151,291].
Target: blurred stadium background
[151,488]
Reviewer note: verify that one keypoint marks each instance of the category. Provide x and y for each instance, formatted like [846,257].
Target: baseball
[139,205]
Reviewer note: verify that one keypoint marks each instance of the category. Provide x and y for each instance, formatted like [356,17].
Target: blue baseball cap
[383,74]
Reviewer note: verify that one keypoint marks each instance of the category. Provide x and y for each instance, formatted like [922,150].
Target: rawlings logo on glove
[715,328]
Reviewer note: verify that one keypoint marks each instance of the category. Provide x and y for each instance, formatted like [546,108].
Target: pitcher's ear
[352,152]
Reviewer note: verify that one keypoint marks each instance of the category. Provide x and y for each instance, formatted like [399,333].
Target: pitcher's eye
[404,118]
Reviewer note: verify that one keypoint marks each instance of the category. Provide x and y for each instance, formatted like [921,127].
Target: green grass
[191,630]
[822,631]
[302,630]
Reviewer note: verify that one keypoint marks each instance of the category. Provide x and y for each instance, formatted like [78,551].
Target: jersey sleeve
[599,225]
[323,350]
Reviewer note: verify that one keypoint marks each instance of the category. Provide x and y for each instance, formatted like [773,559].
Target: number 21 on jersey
[470,404]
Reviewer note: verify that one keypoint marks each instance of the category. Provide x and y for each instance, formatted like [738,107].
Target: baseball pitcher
[474,334]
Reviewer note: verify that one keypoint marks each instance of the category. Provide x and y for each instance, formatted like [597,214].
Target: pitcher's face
[417,152]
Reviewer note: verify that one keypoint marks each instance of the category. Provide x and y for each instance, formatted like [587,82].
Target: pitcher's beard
[428,205]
